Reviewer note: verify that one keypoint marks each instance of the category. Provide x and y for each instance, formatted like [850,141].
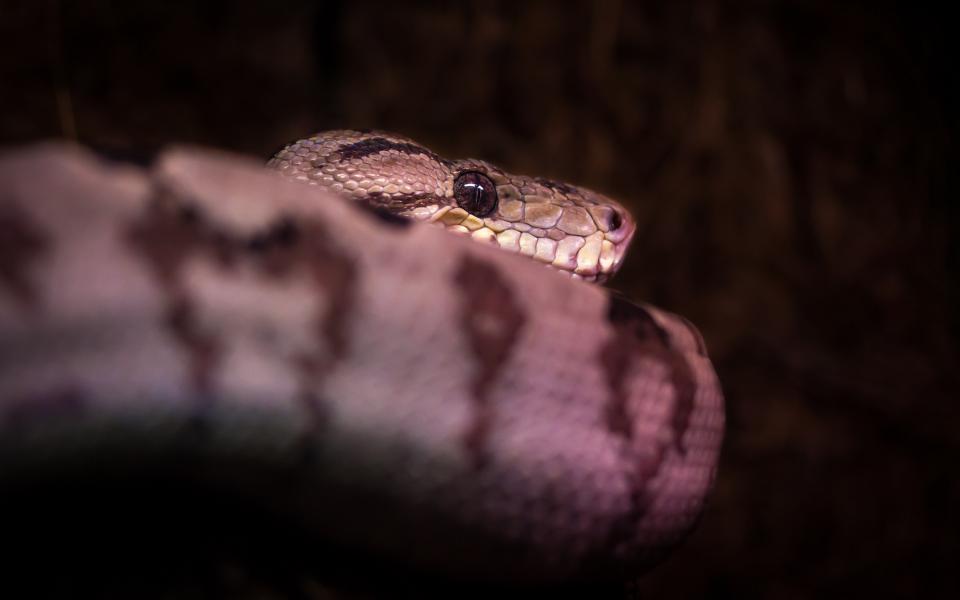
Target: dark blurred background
[789,164]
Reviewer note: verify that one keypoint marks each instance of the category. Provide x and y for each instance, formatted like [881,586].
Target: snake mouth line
[590,258]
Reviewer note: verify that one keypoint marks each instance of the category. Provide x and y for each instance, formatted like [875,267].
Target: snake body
[398,389]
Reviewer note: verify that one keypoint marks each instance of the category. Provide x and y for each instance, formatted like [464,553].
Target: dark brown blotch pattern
[287,247]
[375,145]
[21,244]
[307,245]
[169,233]
[493,320]
[166,237]
[636,334]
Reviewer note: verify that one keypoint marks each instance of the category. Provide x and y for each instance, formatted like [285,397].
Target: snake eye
[475,193]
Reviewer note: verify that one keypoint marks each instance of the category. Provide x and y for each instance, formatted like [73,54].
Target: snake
[328,353]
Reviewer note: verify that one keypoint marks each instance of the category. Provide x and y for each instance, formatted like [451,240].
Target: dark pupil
[475,193]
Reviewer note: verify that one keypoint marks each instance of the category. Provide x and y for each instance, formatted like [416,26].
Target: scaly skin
[569,228]
[505,422]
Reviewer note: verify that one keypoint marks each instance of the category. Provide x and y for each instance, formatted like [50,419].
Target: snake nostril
[615,221]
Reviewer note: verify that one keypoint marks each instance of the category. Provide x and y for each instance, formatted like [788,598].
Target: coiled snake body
[434,401]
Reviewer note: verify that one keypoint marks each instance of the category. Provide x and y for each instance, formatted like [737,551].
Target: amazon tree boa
[394,388]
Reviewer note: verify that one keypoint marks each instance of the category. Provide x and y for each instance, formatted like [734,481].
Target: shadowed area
[165,531]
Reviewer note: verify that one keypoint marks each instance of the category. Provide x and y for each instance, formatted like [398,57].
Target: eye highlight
[475,193]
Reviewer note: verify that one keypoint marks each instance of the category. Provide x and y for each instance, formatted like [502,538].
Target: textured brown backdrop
[788,163]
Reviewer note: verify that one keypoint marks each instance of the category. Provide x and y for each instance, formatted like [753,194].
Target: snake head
[569,228]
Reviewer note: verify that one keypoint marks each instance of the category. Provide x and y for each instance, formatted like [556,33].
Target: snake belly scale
[397,389]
